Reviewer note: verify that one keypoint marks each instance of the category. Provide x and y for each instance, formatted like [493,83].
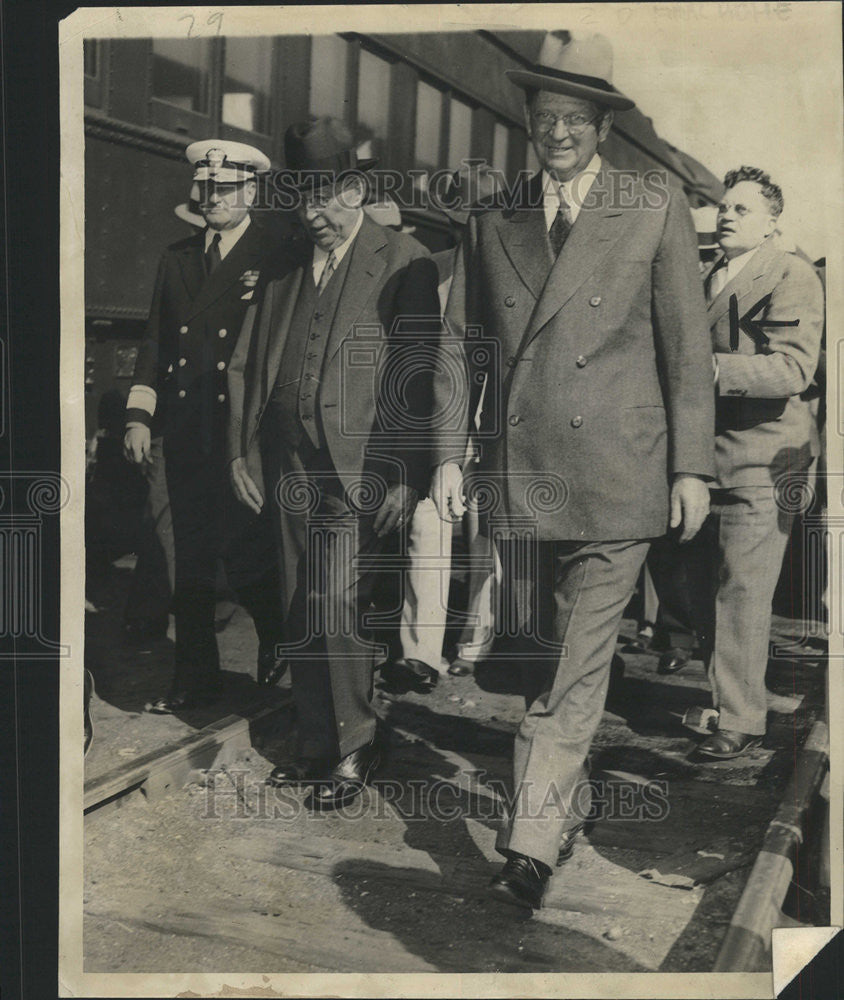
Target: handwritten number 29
[215,18]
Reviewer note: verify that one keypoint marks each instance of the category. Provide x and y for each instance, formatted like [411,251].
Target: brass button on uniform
[580,361]
[515,419]
[181,393]
[221,366]
[183,329]
[221,398]
[182,362]
[595,300]
[576,421]
[169,369]
[222,333]
[509,301]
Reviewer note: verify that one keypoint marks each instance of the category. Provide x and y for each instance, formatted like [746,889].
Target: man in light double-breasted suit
[597,430]
[332,389]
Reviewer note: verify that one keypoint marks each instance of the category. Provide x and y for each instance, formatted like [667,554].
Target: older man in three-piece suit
[597,426]
[333,392]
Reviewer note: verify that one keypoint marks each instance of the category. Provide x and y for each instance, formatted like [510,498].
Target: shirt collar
[574,190]
[228,237]
[736,264]
[321,256]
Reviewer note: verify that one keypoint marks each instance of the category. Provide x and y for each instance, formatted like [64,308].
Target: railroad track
[747,941]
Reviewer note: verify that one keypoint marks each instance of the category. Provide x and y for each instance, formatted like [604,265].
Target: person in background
[179,391]
[766,313]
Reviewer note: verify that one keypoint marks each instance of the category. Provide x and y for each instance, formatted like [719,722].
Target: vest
[296,391]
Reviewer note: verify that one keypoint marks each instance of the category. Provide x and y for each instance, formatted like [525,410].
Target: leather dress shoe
[403,675]
[346,781]
[461,668]
[725,744]
[672,660]
[299,772]
[181,701]
[270,667]
[521,882]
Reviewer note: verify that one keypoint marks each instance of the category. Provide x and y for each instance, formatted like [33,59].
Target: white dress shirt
[321,256]
[727,272]
[574,191]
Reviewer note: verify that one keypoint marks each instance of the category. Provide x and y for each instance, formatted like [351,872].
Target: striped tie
[327,271]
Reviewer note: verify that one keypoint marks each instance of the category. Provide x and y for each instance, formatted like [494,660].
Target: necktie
[717,280]
[327,271]
[212,255]
[561,226]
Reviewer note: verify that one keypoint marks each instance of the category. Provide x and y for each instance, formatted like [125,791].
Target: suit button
[221,398]
[307,416]
[182,393]
[515,419]
[509,301]
[595,300]
[182,362]
[317,315]
[221,366]
[511,362]
[222,333]
[183,329]
[314,336]
[576,421]
[581,361]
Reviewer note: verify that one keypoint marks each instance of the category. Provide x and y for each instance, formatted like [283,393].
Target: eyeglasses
[575,124]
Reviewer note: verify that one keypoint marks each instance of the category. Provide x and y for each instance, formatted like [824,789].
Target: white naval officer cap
[225,162]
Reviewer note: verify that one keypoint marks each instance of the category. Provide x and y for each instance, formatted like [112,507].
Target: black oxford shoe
[726,744]
[181,701]
[270,667]
[347,780]
[672,660]
[299,772]
[521,882]
[402,676]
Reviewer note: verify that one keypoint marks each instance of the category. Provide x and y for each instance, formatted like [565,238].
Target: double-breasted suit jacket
[605,377]
[378,383]
[193,325]
[766,333]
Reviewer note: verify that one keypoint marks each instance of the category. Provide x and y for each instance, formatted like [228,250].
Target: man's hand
[136,446]
[244,486]
[689,504]
[396,510]
[447,491]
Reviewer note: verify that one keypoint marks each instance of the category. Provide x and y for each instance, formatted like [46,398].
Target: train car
[419,102]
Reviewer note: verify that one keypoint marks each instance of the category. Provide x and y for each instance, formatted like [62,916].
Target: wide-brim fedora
[321,150]
[579,65]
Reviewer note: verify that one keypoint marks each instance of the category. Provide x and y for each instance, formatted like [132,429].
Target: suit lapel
[744,283]
[366,265]
[248,249]
[524,237]
[192,265]
[278,313]
[597,228]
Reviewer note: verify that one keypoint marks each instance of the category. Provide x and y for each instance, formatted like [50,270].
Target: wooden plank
[167,766]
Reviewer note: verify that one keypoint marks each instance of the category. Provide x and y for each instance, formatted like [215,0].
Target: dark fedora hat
[320,150]
[579,65]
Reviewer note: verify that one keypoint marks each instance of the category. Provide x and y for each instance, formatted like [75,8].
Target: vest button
[307,416]
[181,393]
[581,361]
[314,336]
[221,366]
[514,419]
[183,329]
[317,315]
[510,301]
[595,300]
[182,362]
[222,333]
[576,421]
